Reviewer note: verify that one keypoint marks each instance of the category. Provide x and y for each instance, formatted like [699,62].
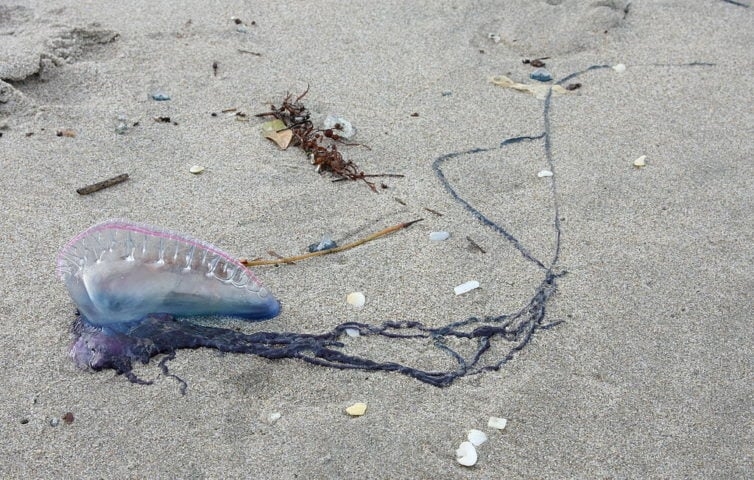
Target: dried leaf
[276,131]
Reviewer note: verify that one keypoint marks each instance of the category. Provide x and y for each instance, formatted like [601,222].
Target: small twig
[376,235]
[433,211]
[103,184]
[276,255]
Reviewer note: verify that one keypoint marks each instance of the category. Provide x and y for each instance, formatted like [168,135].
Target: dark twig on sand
[103,184]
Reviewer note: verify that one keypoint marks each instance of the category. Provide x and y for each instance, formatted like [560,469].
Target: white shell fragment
[466,454]
[620,68]
[466,287]
[640,162]
[439,236]
[353,332]
[476,437]
[544,173]
[273,417]
[357,409]
[497,422]
[356,300]
[196,169]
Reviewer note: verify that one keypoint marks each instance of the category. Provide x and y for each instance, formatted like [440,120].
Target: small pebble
[497,423]
[466,454]
[68,418]
[439,236]
[54,422]
[121,127]
[620,68]
[356,300]
[640,162]
[477,437]
[353,332]
[273,417]
[544,173]
[466,287]
[159,96]
[541,75]
[357,409]
[196,169]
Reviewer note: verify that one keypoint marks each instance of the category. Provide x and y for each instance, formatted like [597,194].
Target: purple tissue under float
[133,283]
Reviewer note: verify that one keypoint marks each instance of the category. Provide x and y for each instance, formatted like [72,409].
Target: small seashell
[353,332]
[544,173]
[439,236]
[273,417]
[620,68]
[497,423]
[466,287]
[466,454]
[640,162]
[357,409]
[196,169]
[477,437]
[356,300]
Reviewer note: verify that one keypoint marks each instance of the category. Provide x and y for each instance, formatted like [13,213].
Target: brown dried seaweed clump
[293,126]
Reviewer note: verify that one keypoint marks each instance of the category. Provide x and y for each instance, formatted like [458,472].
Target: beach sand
[649,376]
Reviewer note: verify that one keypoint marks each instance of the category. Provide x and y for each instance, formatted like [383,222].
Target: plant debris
[103,184]
[66,132]
[290,260]
[535,62]
[321,145]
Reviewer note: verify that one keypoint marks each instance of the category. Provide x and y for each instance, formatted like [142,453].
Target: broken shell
[640,162]
[356,299]
[544,173]
[466,287]
[497,422]
[353,332]
[476,437]
[439,236]
[466,454]
[357,409]
[196,169]
[620,68]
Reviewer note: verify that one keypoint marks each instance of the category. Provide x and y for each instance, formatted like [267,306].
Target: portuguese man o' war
[134,284]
